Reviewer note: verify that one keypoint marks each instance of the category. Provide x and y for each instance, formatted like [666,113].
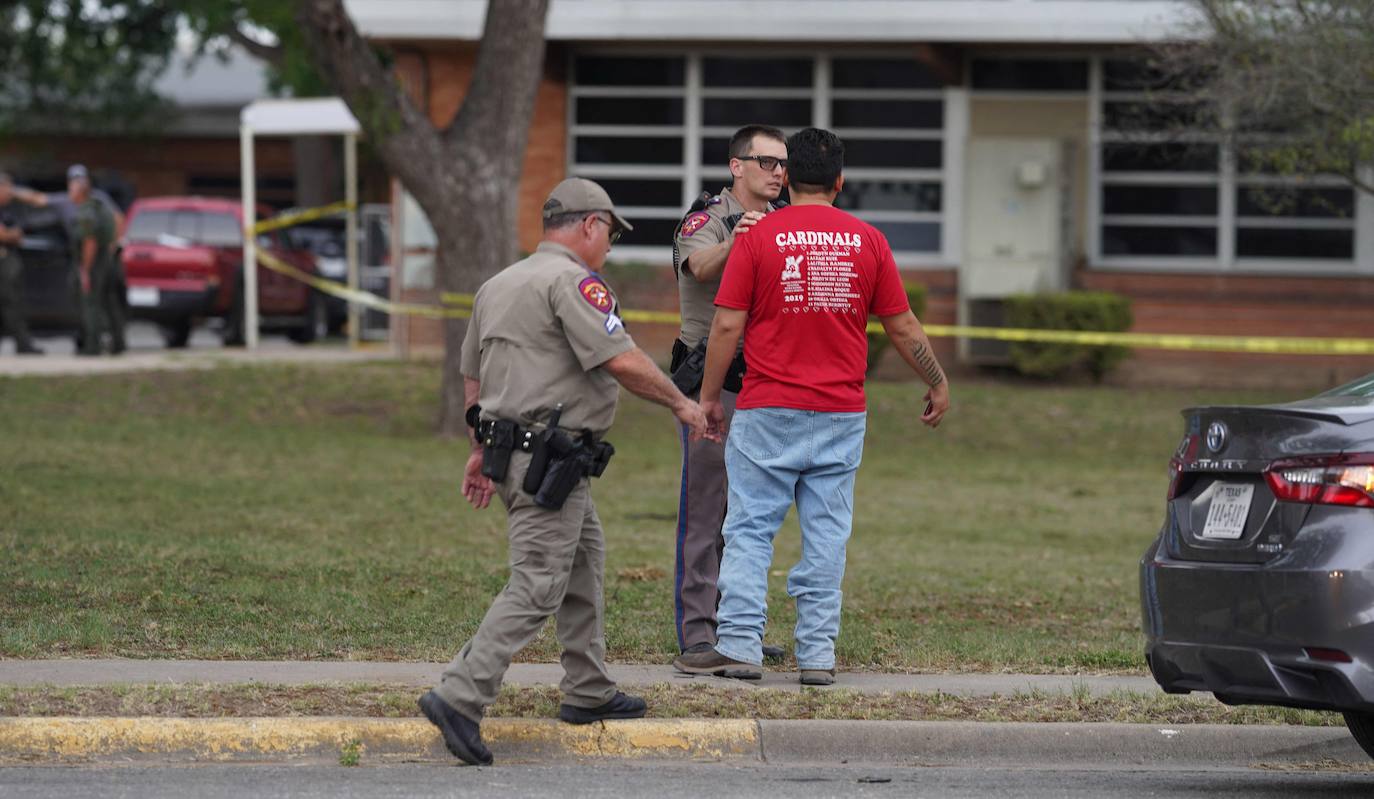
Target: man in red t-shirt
[800,286]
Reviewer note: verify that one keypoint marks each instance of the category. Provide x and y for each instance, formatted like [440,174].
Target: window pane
[629,71]
[917,154]
[1030,74]
[796,72]
[882,73]
[875,195]
[629,150]
[1137,75]
[911,236]
[629,111]
[1282,201]
[648,233]
[625,191]
[1166,200]
[888,114]
[148,225]
[1159,157]
[1269,242]
[186,224]
[1153,116]
[1123,240]
[735,113]
[715,151]
[220,230]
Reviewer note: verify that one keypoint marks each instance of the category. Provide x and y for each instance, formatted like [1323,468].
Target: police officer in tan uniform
[544,351]
[758,163]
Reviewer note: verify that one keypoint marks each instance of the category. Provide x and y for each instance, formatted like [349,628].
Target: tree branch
[271,54]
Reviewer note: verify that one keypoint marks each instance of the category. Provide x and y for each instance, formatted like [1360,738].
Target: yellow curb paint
[80,739]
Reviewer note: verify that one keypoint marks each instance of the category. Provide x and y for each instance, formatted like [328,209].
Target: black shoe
[621,706]
[713,662]
[462,735]
[773,652]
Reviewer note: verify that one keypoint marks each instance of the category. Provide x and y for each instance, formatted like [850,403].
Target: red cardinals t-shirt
[809,276]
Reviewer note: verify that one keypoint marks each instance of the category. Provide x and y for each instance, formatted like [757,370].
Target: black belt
[501,434]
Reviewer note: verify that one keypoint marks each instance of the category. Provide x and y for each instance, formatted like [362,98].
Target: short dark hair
[815,159]
[566,219]
[744,138]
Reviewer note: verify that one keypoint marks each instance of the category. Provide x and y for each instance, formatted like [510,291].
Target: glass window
[625,191]
[737,112]
[630,71]
[628,111]
[889,195]
[927,114]
[715,150]
[1030,74]
[629,150]
[1155,116]
[911,236]
[220,230]
[882,73]
[902,153]
[1288,202]
[186,225]
[146,226]
[1172,157]
[1160,200]
[1277,242]
[648,233]
[1127,240]
[771,72]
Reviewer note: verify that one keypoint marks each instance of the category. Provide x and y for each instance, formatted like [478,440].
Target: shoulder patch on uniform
[596,293]
[694,223]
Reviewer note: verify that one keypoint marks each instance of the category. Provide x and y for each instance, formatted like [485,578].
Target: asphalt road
[666,780]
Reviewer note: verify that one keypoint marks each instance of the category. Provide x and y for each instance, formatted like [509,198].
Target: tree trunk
[465,177]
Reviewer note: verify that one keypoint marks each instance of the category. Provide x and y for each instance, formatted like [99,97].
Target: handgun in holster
[588,458]
[551,445]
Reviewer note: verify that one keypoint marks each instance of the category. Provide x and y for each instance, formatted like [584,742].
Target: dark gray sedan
[1260,586]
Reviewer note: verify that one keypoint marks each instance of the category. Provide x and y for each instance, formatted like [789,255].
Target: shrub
[878,342]
[1074,310]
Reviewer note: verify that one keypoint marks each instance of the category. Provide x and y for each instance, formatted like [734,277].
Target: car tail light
[1187,451]
[1330,480]
[1331,655]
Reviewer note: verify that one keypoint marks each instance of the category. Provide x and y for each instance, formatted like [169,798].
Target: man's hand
[690,414]
[477,487]
[937,399]
[745,222]
[715,418]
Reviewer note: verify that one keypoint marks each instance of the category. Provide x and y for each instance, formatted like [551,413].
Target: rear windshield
[185,227]
[1364,387]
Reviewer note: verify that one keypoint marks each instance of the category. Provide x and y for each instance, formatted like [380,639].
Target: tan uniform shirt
[539,332]
[703,229]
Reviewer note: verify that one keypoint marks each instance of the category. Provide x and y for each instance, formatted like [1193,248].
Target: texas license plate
[144,296]
[1229,509]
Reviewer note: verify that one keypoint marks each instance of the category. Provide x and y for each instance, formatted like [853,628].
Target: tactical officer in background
[12,321]
[758,162]
[91,232]
[544,350]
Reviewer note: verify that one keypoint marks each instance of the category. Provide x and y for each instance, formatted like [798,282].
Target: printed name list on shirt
[819,277]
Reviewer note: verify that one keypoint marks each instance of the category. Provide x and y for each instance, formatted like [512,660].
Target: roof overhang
[819,21]
[307,117]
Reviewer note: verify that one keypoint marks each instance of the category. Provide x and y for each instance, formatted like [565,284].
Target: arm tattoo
[930,368]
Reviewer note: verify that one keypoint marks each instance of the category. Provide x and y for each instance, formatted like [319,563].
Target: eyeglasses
[766,162]
[615,229]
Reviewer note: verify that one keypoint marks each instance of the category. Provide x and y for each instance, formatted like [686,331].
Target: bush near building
[1074,310]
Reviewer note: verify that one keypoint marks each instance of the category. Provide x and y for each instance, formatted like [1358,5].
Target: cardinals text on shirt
[827,238]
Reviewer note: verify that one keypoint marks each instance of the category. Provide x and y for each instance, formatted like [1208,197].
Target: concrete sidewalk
[111,672]
[157,360]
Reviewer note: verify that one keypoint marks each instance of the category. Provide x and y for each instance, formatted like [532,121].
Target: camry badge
[1216,436]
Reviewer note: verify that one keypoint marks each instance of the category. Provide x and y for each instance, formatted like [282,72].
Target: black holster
[550,445]
[688,367]
[588,458]
[498,439]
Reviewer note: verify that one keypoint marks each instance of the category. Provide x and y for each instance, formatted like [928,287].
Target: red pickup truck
[183,262]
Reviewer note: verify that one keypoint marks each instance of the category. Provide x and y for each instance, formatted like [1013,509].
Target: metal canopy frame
[322,116]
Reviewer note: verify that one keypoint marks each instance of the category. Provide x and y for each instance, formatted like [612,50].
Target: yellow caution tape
[298,217]
[461,305]
[365,298]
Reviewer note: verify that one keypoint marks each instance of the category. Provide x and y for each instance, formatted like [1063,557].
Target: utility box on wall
[1017,231]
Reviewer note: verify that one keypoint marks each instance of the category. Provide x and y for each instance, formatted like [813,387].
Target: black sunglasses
[766,162]
[615,229]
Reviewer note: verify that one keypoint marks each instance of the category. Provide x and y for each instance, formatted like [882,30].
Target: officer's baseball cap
[580,194]
[77,171]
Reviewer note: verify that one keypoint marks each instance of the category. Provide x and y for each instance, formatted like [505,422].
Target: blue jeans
[773,456]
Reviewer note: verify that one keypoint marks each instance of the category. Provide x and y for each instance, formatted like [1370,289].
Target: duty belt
[501,434]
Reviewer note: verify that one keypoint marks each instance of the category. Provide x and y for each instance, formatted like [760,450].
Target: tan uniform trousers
[557,559]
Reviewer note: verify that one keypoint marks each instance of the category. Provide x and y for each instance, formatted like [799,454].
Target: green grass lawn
[310,512]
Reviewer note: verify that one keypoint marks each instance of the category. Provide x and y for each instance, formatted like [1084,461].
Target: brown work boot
[817,676]
[713,662]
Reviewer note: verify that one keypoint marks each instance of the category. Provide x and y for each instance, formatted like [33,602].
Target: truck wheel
[176,335]
[1361,725]
[316,322]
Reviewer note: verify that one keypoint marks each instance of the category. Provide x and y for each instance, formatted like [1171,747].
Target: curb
[376,741]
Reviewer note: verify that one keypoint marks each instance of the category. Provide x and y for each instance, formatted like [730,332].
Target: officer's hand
[715,418]
[937,400]
[691,414]
[747,221]
[477,487]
